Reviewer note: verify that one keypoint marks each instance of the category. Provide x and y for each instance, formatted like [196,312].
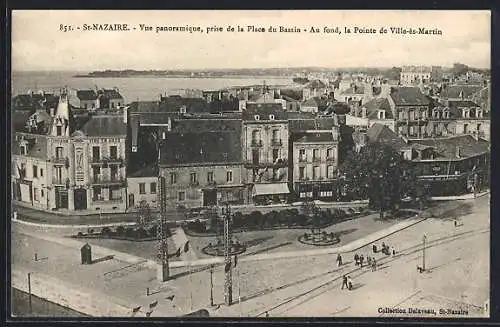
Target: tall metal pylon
[163,268]
[228,281]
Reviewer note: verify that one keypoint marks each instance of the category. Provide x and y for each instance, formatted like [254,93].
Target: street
[457,277]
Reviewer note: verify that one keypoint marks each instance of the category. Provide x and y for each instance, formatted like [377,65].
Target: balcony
[104,161]
[117,180]
[303,159]
[194,183]
[283,163]
[330,159]
[60,161]
[256,143]
[276,143]
[60,181]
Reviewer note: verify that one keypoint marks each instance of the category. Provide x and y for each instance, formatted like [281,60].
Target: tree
[377,170]
[144,214]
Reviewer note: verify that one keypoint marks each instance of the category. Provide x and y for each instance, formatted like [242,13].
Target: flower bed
[285,219]
[149,233]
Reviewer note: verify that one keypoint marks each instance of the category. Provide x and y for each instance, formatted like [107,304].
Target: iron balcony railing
[100,180]
[256,143]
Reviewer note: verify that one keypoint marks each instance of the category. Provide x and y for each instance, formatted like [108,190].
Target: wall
[89,104]
[148,196]
[38,185]
[323,162]
[194,192]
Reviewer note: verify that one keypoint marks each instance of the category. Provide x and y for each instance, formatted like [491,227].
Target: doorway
[80,199]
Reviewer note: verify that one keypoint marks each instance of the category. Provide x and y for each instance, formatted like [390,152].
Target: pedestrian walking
[344,282]
[374,248]
[356,259]
[393,251]
[267,314]
[369,261]
[339,260]
[374,264]
[361,259]
[349,282]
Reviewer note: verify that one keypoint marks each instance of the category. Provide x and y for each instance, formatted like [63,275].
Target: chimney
[363,112]
[125,114]
[457,152]
[169,124]
[52,112]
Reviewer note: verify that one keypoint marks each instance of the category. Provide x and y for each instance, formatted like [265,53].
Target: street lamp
[424,239]
[211,285]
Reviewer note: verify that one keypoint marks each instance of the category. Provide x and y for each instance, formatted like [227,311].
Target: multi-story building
[455,117]
[420,74]
[410,109]
[142,185]
[110,98]
[202,169]
[88,99]
[315,163]
[265,151]
[83,160]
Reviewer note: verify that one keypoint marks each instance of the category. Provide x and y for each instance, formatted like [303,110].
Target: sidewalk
[459,197]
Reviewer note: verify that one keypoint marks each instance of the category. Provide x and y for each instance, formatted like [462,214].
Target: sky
[39,44]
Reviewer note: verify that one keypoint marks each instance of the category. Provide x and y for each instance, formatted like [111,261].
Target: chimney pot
[457,152]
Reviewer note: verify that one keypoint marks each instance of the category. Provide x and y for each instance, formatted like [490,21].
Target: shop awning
[269,189]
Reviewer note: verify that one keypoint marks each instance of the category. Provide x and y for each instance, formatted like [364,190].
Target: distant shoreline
[178,76]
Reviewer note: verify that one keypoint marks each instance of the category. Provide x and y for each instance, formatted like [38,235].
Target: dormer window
[58,130]
[479,113]
[23,150]
[163,135]
[271,117]
[257,117]
[183,109]
[381,114]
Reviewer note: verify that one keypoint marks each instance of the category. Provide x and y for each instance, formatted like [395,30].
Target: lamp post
[424,239]
[380,180]
[212,285]
[29,293]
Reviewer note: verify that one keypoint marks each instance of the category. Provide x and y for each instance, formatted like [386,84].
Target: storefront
[270,193]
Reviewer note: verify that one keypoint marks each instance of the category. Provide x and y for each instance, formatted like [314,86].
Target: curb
[29,223]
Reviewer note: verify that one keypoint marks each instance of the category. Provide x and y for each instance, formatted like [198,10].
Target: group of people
[360,259]
[385,249]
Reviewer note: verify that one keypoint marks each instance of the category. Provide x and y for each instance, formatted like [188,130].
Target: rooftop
[446,148]
[383,134]
[374,105]
[408,96]
[314,138]
[86,95]
[459,91]
[105,125]
[217,147]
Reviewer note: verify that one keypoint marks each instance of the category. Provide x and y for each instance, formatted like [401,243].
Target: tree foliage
[144,214]
[379,173]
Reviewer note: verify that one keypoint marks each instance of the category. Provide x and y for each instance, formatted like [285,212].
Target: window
[182,196]
[271,117]
[96,193]
[96,153]
[329,172]
[229,176]
[59,152]
[381,114]
[113,152]
[193,178]
[41,170]
[173,178]
[115,193]
[316,154]
[255,175]
[35,171]
[93,105]
[142,188]
[255,156]
[316,172]
[302,172]
[97,172]
[114,171]
[276,153]
[35,194]
[58,130]
[302,155]
[23,150]
[42,193]
[255,136]
[478,127]
[276,135]
[257,117]
[210,177]
[466,128]
[152,188]
[85,106]
[112,105]
[329,153]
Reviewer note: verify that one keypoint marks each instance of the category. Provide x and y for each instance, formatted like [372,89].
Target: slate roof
[201,148]
[453,91]
[149,171]
[301,125]
[376,104]
[446,147]
[206,125]
[357,89]
[104,126]
[86,95]
[462,103]
[313,102]
[34,149]
[144,106]
[313,138]
[174,103]
[383,134]
[409,96]
[19,119]
[110,94]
